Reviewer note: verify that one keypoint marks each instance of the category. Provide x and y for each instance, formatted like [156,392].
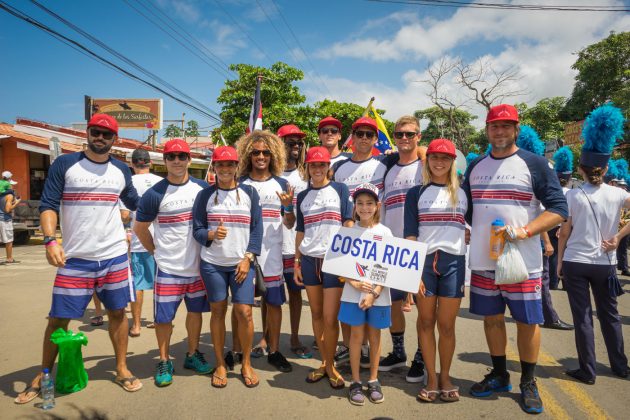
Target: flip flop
[222,379]
[316,376]
[427,396]
[337,383]
[31,389]
[12,262]
[96,321]
[449,395]
[125,383]
[151,325]
[301,352]
[246,378]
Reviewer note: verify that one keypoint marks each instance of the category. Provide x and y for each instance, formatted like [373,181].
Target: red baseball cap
[317,154]
[329,121]
[176,146]
[104,121]
[442,146]
[502,112]
[225,154]
[290,130]
[365,121]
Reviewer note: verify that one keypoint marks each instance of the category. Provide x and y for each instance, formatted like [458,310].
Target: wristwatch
[373,293]
[49,239]
[250,256]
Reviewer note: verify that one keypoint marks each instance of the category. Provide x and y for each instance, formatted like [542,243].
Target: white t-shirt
[584,244]
[354,173]
[339,158]
[142,182]
[288,235]
[352,295]
[398,180]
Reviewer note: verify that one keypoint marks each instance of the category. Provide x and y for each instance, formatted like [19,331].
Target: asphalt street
[25,295]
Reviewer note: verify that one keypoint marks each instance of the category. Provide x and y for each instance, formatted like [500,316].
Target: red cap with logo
[442,146]
[329,121]
[502,112]
[365,121]
[317,154]
[290,130]
[104,121]
[225,154]
[176,146]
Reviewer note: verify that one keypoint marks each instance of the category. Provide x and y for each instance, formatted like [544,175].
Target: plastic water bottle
[48,390]
[496,239]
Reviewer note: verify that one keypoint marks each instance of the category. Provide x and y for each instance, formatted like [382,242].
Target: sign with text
[362,255]
[573,132]
[131,113]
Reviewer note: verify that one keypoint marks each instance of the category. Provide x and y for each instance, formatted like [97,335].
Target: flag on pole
[255,115]
[384,142]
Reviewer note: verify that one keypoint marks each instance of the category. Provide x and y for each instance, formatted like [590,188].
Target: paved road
[25,292]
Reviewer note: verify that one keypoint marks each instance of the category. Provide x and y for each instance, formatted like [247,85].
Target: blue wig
[563,159]
[488,149]
[613,169]
[528,139]
[602,128]
[470,157]
[622,168]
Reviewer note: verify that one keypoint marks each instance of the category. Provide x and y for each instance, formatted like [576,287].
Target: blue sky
[358,48]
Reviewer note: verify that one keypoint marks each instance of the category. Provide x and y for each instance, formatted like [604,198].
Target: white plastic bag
[511,267]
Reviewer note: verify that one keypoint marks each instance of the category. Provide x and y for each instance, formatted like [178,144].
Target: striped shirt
[353,173]
[398,180]
[288,235]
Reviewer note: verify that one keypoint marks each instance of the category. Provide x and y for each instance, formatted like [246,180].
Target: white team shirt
[398,181]
[142,182]
[288,235]
[354,173]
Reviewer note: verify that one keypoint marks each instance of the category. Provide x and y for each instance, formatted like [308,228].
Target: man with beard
[85,188]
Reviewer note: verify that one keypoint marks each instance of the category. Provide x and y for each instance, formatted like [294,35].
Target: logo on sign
[361,269]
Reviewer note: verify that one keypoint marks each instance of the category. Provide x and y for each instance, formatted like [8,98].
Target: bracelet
[51,243]
[529,234]
[296,261]
[288,209]
[376,295]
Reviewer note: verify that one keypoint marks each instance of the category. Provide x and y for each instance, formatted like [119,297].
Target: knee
[427,323]
[116,315]
[330,321]
[317,314]
[446,329]
[493,322]
[244,313]
[218,311]
[55,323]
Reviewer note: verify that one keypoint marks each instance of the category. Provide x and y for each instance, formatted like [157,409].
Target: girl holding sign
[434,214]
[364,306]
[321,209]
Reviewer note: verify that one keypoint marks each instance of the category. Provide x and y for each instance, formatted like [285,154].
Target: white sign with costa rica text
[391,262]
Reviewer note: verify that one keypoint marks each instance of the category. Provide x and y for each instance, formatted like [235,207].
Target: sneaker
[355,394]
[416,372]
[530,399]
[197,363]
[279,361]
[491,383]
[375,394]
[390,362]
[365,361]
[342,355]
[233,358]
[164,373]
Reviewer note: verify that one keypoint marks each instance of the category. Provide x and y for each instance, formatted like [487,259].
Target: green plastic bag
[71,374]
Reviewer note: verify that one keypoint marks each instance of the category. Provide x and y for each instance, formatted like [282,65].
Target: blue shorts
[398,295]
[312,274]
[444,275]
[379,317]
[171,289]
[275,294]
[288,262]
[524,299]
[79,279]
[143,269]
[218,279]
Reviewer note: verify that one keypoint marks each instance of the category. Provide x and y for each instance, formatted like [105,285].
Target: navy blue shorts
[312,274]
[275,291]
[217,279]
[397,295]
[288,262]
[444,274]
[379,317]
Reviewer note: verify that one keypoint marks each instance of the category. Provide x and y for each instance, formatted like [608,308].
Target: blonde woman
[434,214]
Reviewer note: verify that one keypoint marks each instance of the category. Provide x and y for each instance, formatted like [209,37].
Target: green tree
[544,117]
[603,75]
[450,123]
[192,129]
[172,130]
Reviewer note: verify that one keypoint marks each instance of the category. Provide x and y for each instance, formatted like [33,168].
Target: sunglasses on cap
[265,153]
[367,134]
[107,135]
[402,134]
[171,156]
[329,130]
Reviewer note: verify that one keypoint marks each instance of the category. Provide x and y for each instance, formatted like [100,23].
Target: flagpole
[368,107]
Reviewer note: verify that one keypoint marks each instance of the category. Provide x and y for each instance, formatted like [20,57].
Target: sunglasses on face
[402,134]
[367,134]
[107,135]
[292,144]
[265,153]
[171,156]
[329,130]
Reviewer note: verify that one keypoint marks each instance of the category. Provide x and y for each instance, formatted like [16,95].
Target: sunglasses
[265,153]
[292,144]
[367,134]
[107,135]
[402,134]
[171,156]
[329,130]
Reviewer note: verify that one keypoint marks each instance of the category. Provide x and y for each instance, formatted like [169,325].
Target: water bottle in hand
[496,239]
[48,390]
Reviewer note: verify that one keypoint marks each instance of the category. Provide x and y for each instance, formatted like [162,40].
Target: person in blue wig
[529,140]
[588,239]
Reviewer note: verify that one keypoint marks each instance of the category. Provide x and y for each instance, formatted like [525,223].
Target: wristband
[296,261]
[529,234]
[51,243]
[288,209]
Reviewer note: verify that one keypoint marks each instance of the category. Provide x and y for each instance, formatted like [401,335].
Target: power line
[87,51]
[506,6]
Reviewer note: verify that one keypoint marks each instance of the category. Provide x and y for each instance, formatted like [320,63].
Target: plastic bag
[511,267]
[71,374]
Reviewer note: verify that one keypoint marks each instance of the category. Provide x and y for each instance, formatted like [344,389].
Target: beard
[99,150]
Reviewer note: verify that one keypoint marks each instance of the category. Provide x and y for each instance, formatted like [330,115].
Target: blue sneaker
[530,398]
[491,383]
[198,363]
[164,373]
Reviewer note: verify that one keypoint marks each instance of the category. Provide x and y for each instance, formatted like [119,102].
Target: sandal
[12,262]
[355,394]
[316,375]
[246,378]
[96,321]
[218,381]
[301,352]
[337,383]
[258,352]
[427,396]
[34,390]
[126,383]
[151,325]
[449,395]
